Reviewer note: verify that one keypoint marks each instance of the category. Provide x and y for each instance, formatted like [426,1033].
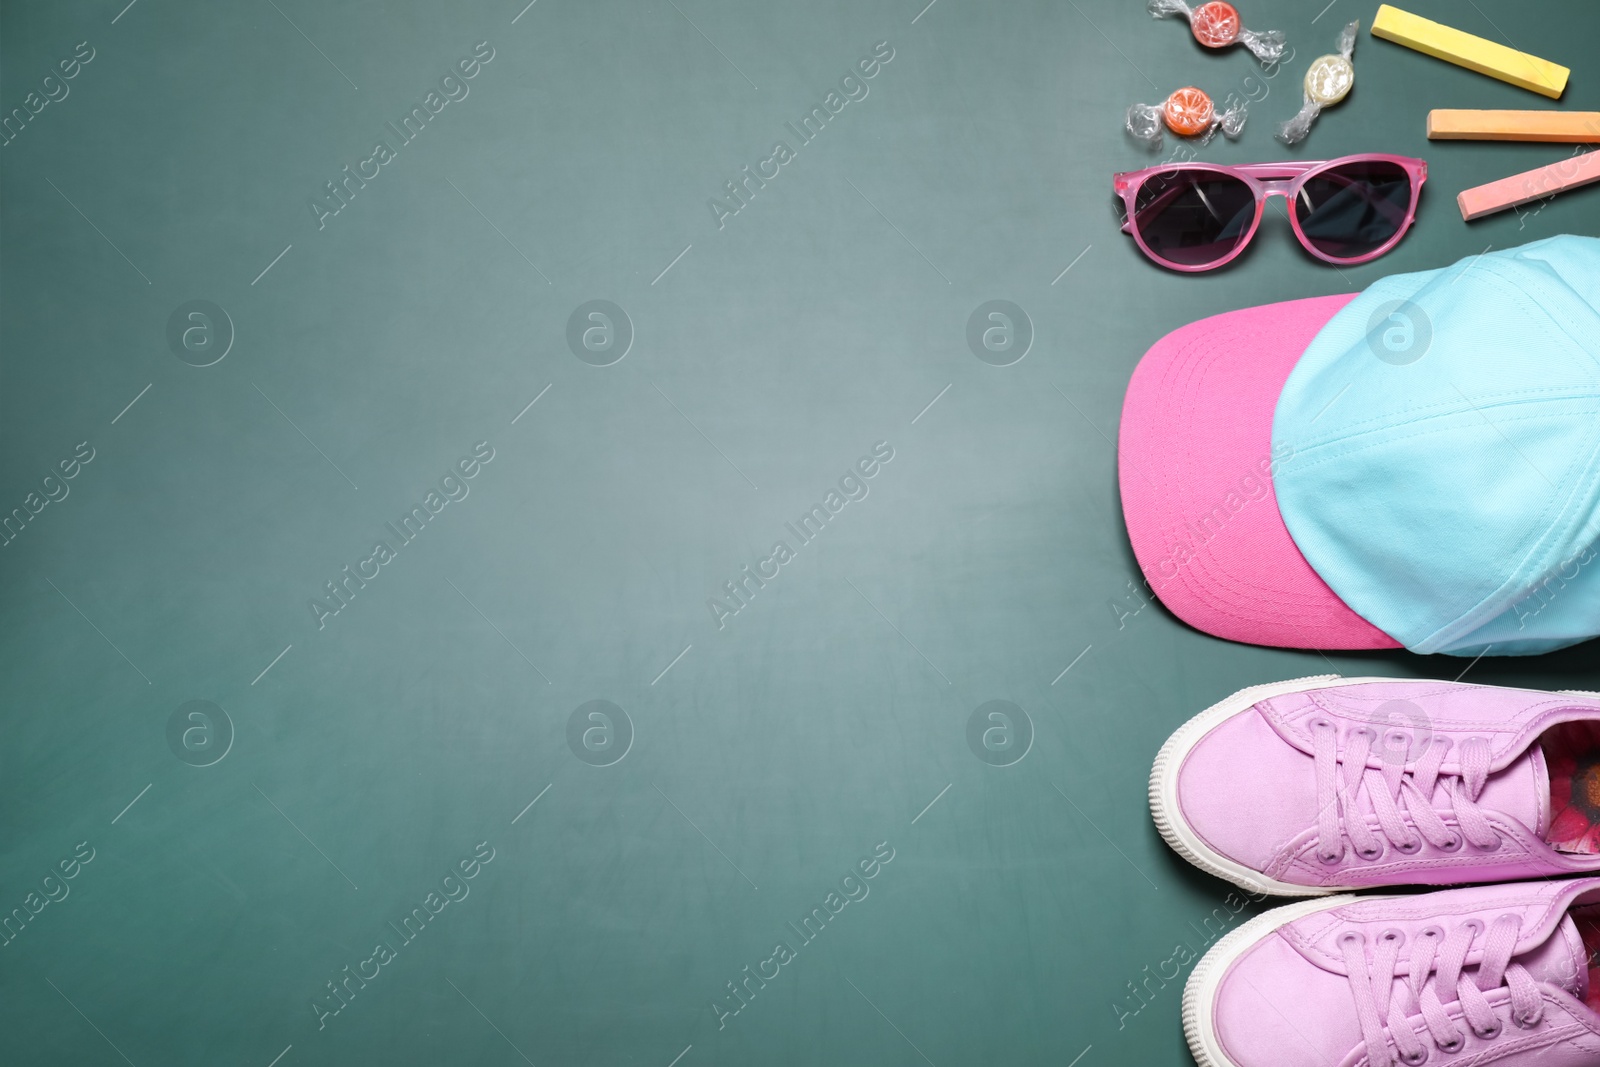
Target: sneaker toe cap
[1274,1009]
[1245,791]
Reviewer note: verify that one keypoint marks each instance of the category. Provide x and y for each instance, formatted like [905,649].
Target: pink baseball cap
[1196,460]
[1416,465]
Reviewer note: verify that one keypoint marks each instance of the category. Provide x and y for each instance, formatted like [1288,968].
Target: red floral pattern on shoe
[1572,752]
[1588,922]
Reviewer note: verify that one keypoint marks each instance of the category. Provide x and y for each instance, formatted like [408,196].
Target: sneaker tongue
[1561,961]
[1522,791]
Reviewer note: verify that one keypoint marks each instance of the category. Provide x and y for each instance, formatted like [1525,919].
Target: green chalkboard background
[158,215]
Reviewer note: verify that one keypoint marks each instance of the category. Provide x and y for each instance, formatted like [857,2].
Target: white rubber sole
[1168,814]
[1200,992]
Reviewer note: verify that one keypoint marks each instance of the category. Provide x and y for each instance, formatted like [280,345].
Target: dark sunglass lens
[1354,209]
[1193,217]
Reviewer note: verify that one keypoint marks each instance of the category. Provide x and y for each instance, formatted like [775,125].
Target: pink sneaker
[1326,784]
[1492,975]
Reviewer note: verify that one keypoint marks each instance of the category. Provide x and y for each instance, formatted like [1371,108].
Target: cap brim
[1195,460]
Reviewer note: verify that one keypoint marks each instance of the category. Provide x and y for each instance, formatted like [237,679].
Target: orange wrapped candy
[1216,25]
[1187,113]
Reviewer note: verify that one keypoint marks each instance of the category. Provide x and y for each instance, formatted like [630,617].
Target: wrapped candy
[1217,25]
[1188,113]
[1327,82]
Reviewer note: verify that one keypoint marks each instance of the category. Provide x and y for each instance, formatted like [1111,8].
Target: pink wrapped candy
[1216,25]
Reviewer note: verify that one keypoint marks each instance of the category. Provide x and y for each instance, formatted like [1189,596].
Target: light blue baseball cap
[1443,440]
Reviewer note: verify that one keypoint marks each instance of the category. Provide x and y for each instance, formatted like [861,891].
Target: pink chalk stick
[1530,185]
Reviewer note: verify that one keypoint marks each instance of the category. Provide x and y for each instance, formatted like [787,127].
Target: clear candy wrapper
[1217,25]
[1327,82]
[1188,113]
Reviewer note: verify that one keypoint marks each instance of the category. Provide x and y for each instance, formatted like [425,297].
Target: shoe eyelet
[1364,731]
[1395,749]
[1352,937]
[1491,1033]
[1330,859]
[1416,1060]
[1409,848]
[1454,1045]
[1498,841]
[1530,1022]
[1396,937]
[1320,723]
[1375,854]
[1454,844]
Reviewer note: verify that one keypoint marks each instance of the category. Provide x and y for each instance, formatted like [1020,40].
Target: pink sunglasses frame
[1284,179]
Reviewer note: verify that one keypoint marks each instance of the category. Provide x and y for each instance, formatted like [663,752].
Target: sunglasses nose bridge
[1272,187]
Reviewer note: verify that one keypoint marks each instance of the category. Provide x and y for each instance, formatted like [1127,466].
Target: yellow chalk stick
[1529,185]
[1568,127]
[1474,53]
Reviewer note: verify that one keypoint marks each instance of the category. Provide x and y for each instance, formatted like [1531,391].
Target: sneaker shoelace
[1379,997]
[1341,777]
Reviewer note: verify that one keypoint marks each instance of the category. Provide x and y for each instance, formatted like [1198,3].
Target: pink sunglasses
[1199,216]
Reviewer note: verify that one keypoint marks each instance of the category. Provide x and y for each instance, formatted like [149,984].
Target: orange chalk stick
[1569,127]
[1529,185]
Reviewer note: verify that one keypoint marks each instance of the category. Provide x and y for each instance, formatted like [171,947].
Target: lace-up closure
[1384,1006]
[1343,777]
